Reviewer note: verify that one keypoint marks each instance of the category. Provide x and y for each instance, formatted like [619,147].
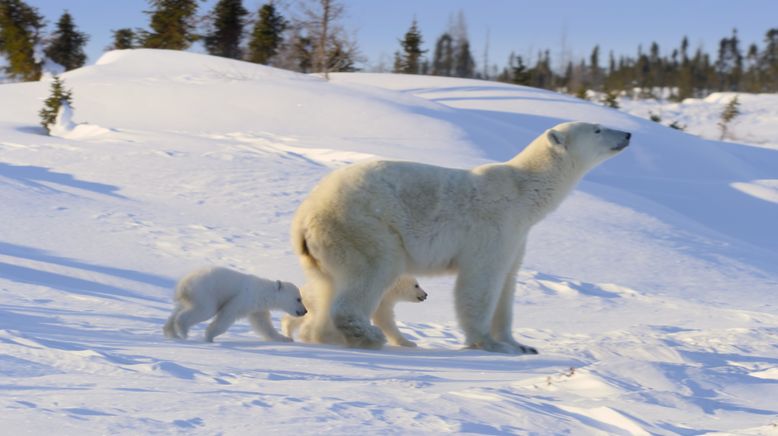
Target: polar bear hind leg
[170,329]
[357,295]
[190,316]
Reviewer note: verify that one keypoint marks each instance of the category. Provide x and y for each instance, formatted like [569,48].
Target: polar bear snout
[623,142]
[300,308]
[421,295]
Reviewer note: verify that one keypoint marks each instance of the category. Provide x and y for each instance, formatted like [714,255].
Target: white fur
[230,295]
[365,225]
[406,288]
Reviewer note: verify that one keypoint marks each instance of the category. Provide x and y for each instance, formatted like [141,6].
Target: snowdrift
[650,293]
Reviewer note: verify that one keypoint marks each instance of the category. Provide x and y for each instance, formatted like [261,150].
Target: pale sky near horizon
[512,25]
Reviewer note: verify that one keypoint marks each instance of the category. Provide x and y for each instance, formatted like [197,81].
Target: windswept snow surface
[651,293]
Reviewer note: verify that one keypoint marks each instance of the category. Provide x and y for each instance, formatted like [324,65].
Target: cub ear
[555,137]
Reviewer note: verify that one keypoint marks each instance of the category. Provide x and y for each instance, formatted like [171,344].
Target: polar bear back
[413,198]
[217,285]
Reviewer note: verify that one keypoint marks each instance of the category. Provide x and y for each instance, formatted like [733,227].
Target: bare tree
[333,50]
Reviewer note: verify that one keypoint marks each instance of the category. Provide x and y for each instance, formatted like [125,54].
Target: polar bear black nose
[629,135]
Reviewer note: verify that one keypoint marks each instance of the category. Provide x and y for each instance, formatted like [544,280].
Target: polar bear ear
[555,137]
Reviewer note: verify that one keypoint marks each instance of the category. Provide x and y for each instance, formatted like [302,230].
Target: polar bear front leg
[225,317]
[383,318]
[502,324]
[290,324]
[263,326]
[476,293]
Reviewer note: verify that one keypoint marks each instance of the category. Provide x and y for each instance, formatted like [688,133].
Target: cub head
[288,298]
[587,143]
[406,288]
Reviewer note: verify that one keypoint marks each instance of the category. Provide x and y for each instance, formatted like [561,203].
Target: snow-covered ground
[652,293]
[757,123]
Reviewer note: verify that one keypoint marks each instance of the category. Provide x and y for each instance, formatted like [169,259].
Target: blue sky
[513,25]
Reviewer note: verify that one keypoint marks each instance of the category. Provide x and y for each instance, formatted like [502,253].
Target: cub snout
[300,312]
[421,295]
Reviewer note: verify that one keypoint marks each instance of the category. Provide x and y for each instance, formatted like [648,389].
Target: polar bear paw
[493,346]
[359,334]
[520,348]
[404,343]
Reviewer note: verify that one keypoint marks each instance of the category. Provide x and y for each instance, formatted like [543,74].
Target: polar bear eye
[299,300]
[597,130]
[416,286]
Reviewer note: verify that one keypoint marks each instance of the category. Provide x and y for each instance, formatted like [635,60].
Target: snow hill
[651,293]
[756,124]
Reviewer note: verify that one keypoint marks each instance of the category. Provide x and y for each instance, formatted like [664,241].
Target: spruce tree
[520,75]
[594,65]
[464,65]
[655,68]
[684,79]
[67,44]
[52,104]
[301,52]
[729,65]
[567,79]
[443,57]
[752,77]
[410,58]
[768,63]
[541,76]
[267,35]
[172,24]
[123,39]
[225,37]
[20,27]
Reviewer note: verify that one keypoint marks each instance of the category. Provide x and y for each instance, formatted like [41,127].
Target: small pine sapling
[727,115]
[581,93]
[677,125]
[610,99]
[52,104]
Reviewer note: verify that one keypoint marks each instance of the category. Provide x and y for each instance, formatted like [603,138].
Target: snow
[64,127]
[754,126]
[650,294]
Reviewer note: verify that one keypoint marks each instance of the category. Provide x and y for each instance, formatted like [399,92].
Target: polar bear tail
[306,253]
[300,244]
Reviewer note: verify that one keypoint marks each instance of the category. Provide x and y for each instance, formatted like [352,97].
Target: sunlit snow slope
[651,293]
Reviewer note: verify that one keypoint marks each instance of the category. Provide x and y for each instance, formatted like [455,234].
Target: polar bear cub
[406,288]
[229,295]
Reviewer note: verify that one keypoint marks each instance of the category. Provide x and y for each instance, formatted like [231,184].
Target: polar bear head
[588,144]
[406,288]
[288,298]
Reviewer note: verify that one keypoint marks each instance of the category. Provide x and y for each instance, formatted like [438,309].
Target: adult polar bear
[365,225]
